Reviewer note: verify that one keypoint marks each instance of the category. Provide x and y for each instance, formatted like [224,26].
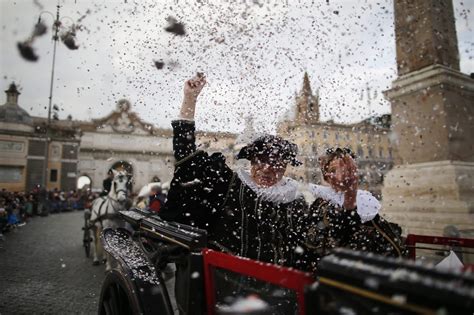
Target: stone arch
[83,180]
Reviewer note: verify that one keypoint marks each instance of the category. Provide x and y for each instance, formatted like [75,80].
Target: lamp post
[56,25]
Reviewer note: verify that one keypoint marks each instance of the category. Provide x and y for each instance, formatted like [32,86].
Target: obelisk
[432,183]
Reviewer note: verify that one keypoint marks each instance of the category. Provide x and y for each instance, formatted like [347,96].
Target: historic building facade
[79,149]
[23,146]
[122,139]
[369,140]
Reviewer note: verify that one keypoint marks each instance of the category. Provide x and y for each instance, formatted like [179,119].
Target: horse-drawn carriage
[103,213]
[210,282]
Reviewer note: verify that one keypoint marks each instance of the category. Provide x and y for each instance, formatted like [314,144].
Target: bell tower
[307,104]
[12,94]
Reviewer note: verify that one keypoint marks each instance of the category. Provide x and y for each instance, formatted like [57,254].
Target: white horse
[104,213]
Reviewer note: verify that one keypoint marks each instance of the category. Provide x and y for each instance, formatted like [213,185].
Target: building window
[360,152]
[337,136]
[325,134]
[10,174]
[390,152]
[55,151]
[53,176]
[371,153]
[380,152]
[70,151]
[36,148]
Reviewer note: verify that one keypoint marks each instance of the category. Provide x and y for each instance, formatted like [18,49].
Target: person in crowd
[43,201]
[165,187]
[29,205]
[3,217]
[156,199]
[246,213]
[13,211]
[343,215]
[141,202]
[34,194]
[55,201]
[20,199]
[107,183]
[89,197]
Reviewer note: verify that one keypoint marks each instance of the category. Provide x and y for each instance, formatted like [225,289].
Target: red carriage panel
[293,281]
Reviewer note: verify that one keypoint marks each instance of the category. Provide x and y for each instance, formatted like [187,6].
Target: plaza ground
[43,268]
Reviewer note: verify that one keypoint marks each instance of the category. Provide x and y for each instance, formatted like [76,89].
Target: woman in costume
[343,215]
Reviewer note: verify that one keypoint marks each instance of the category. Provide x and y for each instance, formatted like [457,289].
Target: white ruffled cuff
[367,205]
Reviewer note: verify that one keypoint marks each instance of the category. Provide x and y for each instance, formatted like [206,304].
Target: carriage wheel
[87,239]
[116,297]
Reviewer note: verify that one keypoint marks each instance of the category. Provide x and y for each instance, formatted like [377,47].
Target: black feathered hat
[273,148]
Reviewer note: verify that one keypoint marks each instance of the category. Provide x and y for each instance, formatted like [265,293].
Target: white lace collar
[367,205]
[286,190]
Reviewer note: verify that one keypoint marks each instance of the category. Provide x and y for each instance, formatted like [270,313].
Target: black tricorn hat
[274,148]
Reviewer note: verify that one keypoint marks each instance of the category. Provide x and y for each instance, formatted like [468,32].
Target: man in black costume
[107,183]
[250,214]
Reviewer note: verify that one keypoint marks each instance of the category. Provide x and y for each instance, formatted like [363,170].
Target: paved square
[43,268]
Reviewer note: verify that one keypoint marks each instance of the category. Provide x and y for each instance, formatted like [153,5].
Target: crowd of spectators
[16,208]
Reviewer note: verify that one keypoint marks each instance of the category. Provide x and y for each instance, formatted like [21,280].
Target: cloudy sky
[254,54]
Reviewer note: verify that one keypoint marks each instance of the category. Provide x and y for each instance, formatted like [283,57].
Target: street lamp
[68,40]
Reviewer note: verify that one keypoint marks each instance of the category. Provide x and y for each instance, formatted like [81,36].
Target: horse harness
[107,215]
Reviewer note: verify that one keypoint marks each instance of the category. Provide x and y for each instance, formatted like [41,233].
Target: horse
[104,213]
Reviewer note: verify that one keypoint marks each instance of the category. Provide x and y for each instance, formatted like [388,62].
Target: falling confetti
[69,39]
[159,65]
[175,27]
[27,52]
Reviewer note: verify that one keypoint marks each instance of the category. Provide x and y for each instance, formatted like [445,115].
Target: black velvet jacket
[206,193]
[328,226]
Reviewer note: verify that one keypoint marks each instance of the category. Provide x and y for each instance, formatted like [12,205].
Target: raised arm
[200,182]
[192,89]
[184,141]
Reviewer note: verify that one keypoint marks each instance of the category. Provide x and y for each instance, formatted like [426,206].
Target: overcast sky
[254,54]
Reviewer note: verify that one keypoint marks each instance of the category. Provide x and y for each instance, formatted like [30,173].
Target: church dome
[11,112]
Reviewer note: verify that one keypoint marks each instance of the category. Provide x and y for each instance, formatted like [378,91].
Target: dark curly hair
[330,155]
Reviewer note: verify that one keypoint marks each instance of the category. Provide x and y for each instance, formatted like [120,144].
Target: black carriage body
[371,284]
[139,271]
[346,280]
[136,278]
